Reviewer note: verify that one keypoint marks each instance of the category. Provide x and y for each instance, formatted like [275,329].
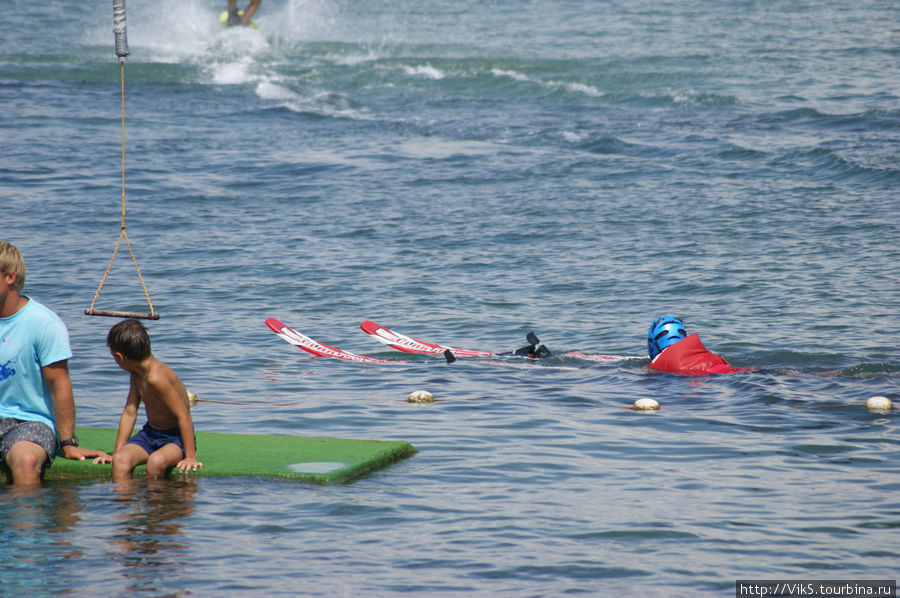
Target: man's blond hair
[12,262]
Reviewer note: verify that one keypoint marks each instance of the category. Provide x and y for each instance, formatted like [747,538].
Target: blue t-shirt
[30,339]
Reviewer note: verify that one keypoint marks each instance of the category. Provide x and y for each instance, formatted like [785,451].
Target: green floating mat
[321,460]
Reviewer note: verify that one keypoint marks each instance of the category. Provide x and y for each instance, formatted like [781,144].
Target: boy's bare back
[162,392]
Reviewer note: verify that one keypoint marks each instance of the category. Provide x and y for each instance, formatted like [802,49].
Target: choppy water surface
[466,173]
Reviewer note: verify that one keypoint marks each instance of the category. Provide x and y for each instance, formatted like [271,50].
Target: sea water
[465,173]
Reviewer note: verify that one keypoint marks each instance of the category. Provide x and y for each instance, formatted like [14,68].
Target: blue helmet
[664,331]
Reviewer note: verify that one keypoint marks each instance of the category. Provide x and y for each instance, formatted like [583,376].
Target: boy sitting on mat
[167,439]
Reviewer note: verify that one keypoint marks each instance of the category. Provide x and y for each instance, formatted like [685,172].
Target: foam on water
[427,71]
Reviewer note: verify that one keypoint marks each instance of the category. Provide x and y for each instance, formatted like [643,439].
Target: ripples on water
[466,173]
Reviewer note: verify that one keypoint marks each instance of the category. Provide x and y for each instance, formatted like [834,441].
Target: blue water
[464,173]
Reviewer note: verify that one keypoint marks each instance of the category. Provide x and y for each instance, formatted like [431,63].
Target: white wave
[573,137]
[511,74]
[351,59]
[269,90]
[318,103]
[427,71]
[582,88]
[233,73]
[588,90]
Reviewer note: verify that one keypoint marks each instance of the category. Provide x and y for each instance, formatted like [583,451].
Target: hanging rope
[120,30]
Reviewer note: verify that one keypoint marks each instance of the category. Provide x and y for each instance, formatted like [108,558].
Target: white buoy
[646,405]
[879,404]
[420,396]
[192,399]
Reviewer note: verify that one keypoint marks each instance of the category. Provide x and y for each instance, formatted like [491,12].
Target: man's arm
[60,385]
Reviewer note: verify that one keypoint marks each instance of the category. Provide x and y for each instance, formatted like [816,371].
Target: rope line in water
[199,400]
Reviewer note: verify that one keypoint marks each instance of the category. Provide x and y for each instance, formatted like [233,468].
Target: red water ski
[302,341]
[407,344]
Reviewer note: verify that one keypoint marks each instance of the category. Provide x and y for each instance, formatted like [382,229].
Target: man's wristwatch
[73,441]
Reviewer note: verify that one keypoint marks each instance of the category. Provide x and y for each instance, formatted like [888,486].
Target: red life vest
[688,357]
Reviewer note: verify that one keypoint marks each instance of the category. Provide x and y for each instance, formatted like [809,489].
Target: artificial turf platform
[320,460]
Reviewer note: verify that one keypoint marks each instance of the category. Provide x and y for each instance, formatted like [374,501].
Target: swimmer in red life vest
[675,351]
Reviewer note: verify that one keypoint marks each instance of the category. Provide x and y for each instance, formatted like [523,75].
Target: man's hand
[76,453]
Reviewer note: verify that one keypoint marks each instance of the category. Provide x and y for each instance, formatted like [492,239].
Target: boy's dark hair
[130,338]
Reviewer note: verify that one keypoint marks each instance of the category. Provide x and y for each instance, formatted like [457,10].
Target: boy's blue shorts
[151,440]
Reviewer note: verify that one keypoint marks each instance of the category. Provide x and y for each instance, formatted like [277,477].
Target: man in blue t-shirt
[37,406]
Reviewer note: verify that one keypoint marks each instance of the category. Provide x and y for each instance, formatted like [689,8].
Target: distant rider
[236,18]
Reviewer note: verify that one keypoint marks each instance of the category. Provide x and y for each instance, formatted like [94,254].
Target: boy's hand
[102,459]
[188,464]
